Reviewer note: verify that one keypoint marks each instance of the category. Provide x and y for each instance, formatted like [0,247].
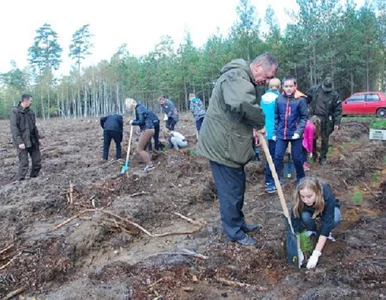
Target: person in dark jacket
[148,122]
[112,130]
[290,121]
[232,119]
[325,103]
[314,199]
[26,137]
[170,111]
[197,108]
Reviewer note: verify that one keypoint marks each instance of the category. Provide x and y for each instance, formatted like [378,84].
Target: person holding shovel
[314,199]
[147,121]
[232,118]
[290,120]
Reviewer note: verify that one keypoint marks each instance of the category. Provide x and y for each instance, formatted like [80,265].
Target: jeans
[109,135]
[230,186]
[309,223]
[268,174]
[296,154]
[199,124]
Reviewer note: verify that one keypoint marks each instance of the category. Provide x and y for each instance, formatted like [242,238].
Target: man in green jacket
[226,136]
[25,137]
[324,102]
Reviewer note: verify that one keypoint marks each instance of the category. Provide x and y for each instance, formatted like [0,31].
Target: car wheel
[381,113]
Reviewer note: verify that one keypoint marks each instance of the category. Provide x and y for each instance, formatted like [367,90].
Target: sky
[139,24]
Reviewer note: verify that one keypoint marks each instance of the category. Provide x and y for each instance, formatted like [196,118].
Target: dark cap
[327,84]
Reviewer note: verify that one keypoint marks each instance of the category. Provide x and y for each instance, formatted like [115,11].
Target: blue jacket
[327,215]
[291,115]
[197,108]
[144,118]
[112,122]
[268,101]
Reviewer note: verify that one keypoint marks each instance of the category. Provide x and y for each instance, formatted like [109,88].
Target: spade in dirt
[288,168]
[292,242]
[126,166]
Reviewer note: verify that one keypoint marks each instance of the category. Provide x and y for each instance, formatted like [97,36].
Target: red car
[365,103]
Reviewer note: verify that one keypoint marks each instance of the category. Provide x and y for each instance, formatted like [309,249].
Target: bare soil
[127,242]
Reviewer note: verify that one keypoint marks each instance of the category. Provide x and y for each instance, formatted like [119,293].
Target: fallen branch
[184,252]
[14,293]
[188,219]
[231,282]
[139,193]
[370,190]
[6,249]
[124,220]
[11,260]
[345,183]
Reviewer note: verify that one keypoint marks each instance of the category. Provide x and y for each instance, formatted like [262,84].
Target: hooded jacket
[197,108]
[23,127]
[227,131]
[144,118]
[290,115]
[112,122]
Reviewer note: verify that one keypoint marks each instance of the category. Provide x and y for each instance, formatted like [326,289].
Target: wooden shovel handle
[263,143]
[129,146]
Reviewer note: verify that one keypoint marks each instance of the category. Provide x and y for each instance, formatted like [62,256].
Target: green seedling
[192,152]
[374,177]
[344,145]
[330,149]
[305,243]
[357,198]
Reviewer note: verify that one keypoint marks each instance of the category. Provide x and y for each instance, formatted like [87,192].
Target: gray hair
[266,60]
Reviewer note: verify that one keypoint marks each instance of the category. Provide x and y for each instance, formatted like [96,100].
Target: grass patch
[192,152]
[357,198]
[330,150]
[374,177]
[378,124]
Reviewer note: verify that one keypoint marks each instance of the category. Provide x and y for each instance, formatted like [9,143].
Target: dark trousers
[230,186]
[296,154]
[305,154]
[34,152]
[170,123]
[268,173]
[325,131]
[199,123]
[109,135]
[155,137]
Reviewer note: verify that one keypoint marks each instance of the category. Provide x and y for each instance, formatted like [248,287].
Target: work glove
[166,117]
[295,136]
[310,155]
[274,138]
[313,261]
[300,257]
[309,233]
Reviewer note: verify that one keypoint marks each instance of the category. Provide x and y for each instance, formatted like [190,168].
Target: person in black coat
[112,130]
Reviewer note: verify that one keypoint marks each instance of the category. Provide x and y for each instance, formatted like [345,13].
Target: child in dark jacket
[290,120]
[314,199]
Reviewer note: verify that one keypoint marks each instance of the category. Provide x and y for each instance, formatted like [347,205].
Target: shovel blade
[292,249]
[124,169]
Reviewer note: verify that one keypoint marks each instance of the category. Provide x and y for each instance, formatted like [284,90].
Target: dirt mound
[83,230]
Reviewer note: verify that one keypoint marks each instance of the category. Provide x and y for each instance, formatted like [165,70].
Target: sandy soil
[128,241]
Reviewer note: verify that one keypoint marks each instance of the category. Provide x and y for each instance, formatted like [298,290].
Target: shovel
[289,169]
[292,241]
[126,166]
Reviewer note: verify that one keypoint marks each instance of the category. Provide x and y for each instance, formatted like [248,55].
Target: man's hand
[21,146]
[40,142]
[336,127]
[166,117]
[313,261]
[295,136]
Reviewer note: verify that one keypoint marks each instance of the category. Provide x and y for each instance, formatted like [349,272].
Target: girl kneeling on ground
[147,122]
[314,199]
